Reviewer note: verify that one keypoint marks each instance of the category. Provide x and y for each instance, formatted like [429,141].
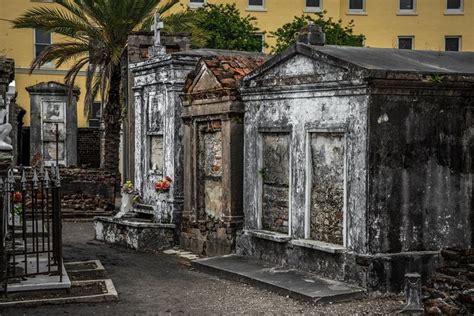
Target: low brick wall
[88,147]
[451,290]
[209,237]
[87,190]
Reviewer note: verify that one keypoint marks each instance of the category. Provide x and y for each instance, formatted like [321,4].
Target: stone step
[143,209]
[296,284]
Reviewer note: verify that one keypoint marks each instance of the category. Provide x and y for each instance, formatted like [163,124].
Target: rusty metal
[30,225]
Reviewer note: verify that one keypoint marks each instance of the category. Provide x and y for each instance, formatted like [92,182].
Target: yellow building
[415,24]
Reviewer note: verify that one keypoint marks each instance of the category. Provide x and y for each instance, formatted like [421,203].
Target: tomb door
[53,112]
[275,182]
[155,119]
[208,184]
[326,211]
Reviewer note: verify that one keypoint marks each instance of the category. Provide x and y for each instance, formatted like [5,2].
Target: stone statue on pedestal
[5,128]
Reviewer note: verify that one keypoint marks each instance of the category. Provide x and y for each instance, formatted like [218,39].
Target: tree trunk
[112,119]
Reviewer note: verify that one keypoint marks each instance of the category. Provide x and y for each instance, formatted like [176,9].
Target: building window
[256,4]
[356,6]
[406,42]
[42,40]
[196,3]
[260,37]
[407,6]
[95,114]
[313,6]
[452,43]
[454,6]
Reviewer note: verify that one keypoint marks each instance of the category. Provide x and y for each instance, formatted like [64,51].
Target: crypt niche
[213,147]
[53,133]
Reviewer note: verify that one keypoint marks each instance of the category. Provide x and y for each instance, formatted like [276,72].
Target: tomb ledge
[319,245]
[268,235]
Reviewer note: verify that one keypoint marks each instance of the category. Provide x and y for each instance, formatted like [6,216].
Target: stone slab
[40,282]
[294,283]
[86,274]
[110,296]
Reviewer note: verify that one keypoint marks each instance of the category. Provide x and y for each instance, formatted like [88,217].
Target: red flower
[17,197]
[168,178]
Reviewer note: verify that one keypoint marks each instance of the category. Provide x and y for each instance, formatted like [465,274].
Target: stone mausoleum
[52,104]
[358,161]
[213,153]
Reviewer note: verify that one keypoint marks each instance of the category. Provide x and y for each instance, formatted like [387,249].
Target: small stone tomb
[50,106]
[213,147]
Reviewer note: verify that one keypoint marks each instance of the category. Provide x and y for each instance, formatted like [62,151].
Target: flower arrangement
[163,185]
[17,207]
[128,187]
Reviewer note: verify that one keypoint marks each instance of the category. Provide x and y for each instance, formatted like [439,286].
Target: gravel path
[165,284]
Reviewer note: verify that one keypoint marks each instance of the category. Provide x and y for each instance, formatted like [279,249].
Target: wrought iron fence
[31,230]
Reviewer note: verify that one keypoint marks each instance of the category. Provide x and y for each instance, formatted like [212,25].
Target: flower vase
[126,205]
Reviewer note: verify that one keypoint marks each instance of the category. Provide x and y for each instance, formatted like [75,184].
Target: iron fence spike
[35,179]
[11,180]
[23,179]
[46,178]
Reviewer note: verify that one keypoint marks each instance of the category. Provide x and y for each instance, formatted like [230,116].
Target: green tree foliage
[95,37]
[217,26]
[336,33]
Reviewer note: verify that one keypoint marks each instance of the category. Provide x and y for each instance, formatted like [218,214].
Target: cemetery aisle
[150,283]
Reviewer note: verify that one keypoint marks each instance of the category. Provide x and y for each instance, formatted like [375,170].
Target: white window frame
[459,11]
[362,11]
[459,37]
[407,11]
[48,64]
[195,5]
[412,37]
[309,183]
[313,9]
[256,7]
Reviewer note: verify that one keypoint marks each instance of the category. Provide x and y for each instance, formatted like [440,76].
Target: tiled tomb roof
[227,69]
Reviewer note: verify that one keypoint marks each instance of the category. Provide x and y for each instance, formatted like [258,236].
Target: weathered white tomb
[357,160]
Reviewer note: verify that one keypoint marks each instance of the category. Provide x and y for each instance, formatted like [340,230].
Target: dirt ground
[150,284]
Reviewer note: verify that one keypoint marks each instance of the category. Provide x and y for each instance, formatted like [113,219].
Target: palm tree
[96,34]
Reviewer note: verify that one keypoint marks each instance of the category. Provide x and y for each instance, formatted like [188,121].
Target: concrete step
[296,284]
[143,209]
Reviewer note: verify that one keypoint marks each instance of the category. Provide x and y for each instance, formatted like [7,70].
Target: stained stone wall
[327,187]
[275,179]
[210,170]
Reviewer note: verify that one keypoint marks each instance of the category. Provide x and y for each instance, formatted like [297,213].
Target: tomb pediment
[296,64]
[205,81]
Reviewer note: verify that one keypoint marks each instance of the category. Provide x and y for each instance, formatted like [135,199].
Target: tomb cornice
[301,92]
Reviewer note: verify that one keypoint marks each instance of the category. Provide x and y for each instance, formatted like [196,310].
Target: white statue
[5,128]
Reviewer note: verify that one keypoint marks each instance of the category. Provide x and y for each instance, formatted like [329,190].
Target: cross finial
[158,25]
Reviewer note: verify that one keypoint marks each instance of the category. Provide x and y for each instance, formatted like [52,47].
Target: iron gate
[31,230]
